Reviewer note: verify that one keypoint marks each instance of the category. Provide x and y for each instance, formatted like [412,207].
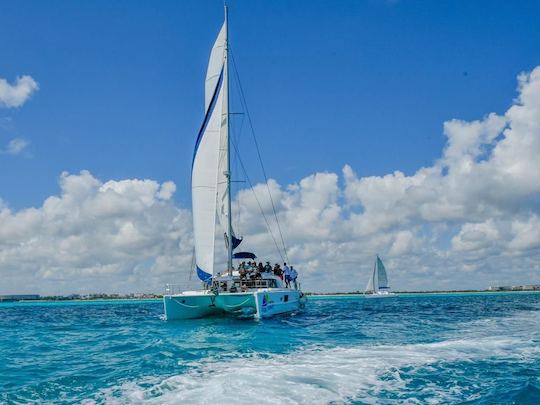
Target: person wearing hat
[267,268]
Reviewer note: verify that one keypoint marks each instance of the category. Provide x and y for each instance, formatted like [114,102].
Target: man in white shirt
[287,274]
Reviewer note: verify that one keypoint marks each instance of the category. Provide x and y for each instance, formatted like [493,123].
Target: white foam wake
[322,375]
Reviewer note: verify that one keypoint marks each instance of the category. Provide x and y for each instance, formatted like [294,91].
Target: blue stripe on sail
[207,116]
[203,275]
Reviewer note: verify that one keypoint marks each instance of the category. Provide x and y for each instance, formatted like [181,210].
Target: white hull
[261,303]
[381,294]
[189,305]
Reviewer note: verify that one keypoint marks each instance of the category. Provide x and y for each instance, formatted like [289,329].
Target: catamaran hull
[381,295]
[262,303]
[259,304]
[182,306]
[273,303]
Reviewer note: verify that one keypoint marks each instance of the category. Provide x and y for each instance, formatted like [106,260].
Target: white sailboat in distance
[377,285]
[224,290]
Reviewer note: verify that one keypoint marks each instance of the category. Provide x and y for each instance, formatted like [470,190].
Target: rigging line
[192,270]
[243,99]
[239,131]
[235,134]
[258,202]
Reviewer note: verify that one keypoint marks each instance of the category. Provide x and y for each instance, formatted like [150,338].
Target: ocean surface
[474,349]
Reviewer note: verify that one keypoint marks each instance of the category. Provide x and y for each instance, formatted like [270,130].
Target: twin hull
[260,303]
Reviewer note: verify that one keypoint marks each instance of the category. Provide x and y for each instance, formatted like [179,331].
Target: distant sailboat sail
[382,278]
[371,282]
[379,280]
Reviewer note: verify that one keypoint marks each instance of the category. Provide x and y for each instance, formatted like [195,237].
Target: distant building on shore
[19,297]
[530,287]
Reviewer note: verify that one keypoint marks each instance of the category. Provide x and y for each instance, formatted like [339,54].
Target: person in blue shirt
[287,274]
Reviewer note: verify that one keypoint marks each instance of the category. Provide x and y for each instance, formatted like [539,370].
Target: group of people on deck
[254,270]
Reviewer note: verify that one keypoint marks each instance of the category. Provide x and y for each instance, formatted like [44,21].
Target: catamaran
[377,285]
[227,291]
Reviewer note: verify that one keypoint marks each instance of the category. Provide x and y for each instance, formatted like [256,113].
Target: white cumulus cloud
[469,220]
[95,236]
[15,95]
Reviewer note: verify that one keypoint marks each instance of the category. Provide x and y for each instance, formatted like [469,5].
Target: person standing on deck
[287,273]
[267,268]
[278,272]
[294,276]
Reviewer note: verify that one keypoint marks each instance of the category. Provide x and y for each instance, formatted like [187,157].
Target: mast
[228,154]
[375,284]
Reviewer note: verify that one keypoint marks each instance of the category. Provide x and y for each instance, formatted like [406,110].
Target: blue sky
[350,100]
[367,83]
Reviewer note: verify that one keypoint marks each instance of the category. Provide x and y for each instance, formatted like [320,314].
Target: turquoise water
[478,349]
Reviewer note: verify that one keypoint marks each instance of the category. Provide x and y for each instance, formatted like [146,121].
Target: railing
[177,288]
[240,285]
[258,283]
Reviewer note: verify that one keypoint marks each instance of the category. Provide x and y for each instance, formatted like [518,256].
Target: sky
[405,128]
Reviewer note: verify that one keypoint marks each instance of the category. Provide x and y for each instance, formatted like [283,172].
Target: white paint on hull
[189,306]
[261,303]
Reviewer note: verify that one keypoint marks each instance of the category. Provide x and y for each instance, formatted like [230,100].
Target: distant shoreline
[77,301]
[309,295]
[411,293]
[97,299]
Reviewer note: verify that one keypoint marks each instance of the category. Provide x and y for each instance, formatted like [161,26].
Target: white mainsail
[207,172]
[210,177]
